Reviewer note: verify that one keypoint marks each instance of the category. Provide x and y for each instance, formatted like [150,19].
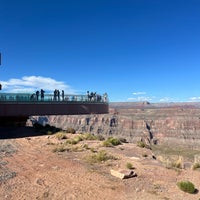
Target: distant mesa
[130,104]
[146,103]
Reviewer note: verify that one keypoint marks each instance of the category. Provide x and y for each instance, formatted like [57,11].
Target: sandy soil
[36,172]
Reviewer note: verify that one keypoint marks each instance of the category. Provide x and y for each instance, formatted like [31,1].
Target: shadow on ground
[18,132]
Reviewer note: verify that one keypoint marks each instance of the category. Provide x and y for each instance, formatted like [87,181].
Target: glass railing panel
[27,97]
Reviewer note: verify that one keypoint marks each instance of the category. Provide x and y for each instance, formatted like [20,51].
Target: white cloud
[139,93]
[140,98]
[166,99]
[33,83]
[194,99]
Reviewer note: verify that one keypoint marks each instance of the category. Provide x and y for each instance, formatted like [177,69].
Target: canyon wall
[172,125]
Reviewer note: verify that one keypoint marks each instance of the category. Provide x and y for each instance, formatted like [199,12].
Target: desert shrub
[76,148]
[59,148]
[61,135]
[111,142]
[89,136]
[129,165]
[107,143]
[71,141]
[85,146]
[177,164]
[78,138]
[93,150]
[75,140]
[141,144]
[196,166]
[69,148]
[70,130]
[100,156]
[114,141]
[187,186]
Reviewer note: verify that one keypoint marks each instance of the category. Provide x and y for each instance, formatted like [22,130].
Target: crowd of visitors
[60,96]
[93,96]
[35,96]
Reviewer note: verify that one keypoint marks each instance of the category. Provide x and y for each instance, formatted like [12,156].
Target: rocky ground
[42,167]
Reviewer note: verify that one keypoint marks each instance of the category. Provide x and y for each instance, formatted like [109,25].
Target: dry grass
[99,157]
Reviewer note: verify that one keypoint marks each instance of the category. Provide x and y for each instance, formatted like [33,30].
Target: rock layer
[164,125]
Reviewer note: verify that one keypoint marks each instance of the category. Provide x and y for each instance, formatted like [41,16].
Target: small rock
[123,174]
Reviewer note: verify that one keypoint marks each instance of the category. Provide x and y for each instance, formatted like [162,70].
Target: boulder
[123,174]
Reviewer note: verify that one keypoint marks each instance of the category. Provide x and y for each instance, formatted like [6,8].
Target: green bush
[114,141]
[61,136]
[178,164]
[78,138]
[111,142]
[89,136]
[196,166]
[107,143]
[101,156]
[187,186]
[71,141]
[59,148]
[93,150]
[85,146]
[74,140]
[129,165]
[141,144]
[70,130]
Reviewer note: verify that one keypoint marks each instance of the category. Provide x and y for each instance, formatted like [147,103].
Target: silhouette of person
[58,93]
[63,95]
[55,95]
[42,94]
[32,98]
[37,95]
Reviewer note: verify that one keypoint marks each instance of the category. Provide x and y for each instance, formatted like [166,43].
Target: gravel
[7,148]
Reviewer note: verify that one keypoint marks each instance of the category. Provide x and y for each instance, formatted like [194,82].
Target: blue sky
[135,50]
